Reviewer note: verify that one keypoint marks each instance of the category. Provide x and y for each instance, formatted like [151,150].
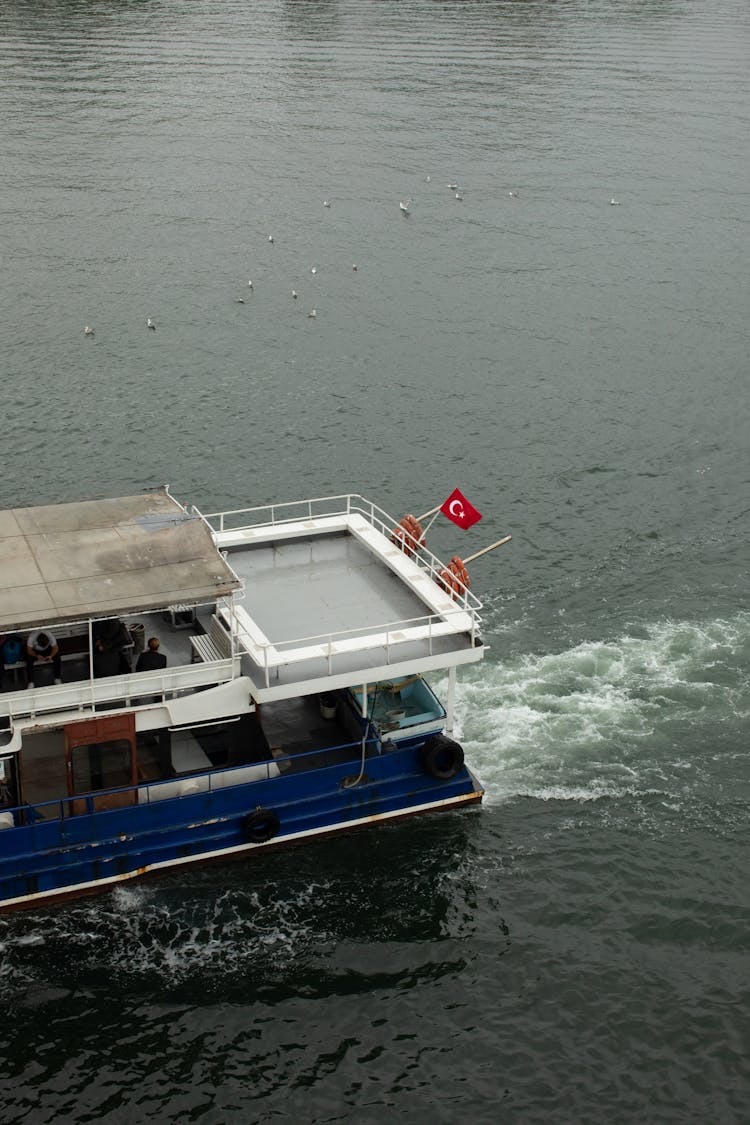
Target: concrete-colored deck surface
[321,585]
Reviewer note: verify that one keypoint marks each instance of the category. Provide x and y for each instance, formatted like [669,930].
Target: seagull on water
[614,202]
[453,187]
[240,300]
[249,284]
[150,324]
[294,294]
[88,331]
[355,267]
[404,205]
[314,269]
[312,313]
[270,238]
[326,203]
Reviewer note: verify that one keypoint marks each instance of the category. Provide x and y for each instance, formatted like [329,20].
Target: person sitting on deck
[42,648]
[11,652]
[107,661]
[112,641]
[151,660]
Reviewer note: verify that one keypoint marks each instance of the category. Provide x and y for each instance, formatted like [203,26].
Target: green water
[577,950]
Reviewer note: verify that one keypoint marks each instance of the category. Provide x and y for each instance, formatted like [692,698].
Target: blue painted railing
[28,814]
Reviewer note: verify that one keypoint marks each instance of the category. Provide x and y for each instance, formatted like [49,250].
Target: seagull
[294,294]
[354,266]
[452,187]
[312,313]
[513,195]
[240,300]
[614,202]
[249,284]
[428,179]
[326,203]
[314,269]
[270,238]
[150,324]
[459,197]
[404,205]
[88,331]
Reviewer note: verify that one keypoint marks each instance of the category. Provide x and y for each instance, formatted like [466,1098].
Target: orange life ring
[408,535]
[450,583]
[457,566]
[455,580]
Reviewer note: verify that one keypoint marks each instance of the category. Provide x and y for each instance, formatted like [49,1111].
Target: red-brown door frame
[104,729]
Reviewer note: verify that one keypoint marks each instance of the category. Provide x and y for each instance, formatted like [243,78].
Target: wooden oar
[485,550]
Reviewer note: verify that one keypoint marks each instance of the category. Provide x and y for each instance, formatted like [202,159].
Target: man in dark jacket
[151,660]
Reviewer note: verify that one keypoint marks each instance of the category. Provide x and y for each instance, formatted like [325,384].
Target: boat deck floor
[329,605]
[299,738]
[296,730]
[321,585]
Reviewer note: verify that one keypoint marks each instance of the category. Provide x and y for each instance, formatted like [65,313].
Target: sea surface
[563,334]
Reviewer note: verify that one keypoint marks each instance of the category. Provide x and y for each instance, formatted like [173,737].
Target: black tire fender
[441,757]
[261,825]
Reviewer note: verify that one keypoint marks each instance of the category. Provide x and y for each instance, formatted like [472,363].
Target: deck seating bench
[71,648]
[213,645]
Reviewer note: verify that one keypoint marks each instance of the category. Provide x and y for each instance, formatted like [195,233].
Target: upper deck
[328,595]
[313,596]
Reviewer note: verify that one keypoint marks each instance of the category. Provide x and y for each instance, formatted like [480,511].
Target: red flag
[458,509]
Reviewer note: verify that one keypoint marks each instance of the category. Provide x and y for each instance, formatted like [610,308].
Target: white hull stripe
[161,865]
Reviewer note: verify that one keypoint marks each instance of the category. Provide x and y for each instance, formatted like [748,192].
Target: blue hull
[51,860]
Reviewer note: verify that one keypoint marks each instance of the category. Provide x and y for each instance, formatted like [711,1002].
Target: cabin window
[102,765]
[239,742]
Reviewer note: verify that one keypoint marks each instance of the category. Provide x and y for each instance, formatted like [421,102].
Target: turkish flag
[458,509]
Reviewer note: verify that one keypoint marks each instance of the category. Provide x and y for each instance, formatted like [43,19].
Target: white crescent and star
[456,508]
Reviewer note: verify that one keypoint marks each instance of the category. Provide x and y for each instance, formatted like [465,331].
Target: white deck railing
[460,616]
[85,696]
[269,656]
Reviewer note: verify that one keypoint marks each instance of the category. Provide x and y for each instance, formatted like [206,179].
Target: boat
[292,703]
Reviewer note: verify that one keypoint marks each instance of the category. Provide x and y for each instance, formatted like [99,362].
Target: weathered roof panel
[66,562]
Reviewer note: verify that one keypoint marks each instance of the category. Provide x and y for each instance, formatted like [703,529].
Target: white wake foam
[601,719]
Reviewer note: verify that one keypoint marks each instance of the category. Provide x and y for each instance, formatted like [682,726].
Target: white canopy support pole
[365,732]
[232,632]
[449,707]
[364,721]
[91,665]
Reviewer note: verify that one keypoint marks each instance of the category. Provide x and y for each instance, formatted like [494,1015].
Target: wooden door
[100,755]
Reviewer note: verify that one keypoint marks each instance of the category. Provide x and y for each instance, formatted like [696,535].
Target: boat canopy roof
[99,558]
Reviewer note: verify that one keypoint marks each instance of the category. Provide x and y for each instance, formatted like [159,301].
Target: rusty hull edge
[147,873]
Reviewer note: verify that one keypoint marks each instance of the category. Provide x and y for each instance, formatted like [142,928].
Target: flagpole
[429,525]
[431,512]
[485,550]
